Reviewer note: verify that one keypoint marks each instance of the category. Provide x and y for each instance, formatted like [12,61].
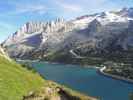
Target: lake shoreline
[83,66]
[101,71]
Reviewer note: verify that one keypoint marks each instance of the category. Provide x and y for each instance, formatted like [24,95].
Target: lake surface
[85,80]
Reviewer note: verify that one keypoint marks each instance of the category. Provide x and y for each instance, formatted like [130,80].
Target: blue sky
[14,13]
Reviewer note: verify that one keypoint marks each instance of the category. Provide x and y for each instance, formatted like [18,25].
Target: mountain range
[106,35]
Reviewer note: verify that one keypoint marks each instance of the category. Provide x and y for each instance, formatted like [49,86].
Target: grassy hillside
[18,83]
[15,81]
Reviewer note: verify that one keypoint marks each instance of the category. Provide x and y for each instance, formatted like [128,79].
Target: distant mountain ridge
[97,34]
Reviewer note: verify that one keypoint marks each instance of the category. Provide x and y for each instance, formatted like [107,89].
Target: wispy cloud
[30,8]
[40,9]
[26,7]
[66,6]
[69,7]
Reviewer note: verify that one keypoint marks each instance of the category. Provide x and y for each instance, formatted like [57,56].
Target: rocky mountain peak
[60,20]
[31,27]
[103,14]
[94,26]
[126,12]
[53,26]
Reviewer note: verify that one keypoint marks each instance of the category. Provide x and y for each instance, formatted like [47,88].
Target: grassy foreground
[18,83]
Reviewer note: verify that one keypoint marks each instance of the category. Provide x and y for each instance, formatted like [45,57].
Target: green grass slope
[16,81]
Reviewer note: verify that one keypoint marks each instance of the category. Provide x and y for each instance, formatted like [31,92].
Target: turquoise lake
[85,80]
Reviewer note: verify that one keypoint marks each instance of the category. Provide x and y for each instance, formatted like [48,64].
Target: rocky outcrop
[56,92]
[4,54]
[1,51]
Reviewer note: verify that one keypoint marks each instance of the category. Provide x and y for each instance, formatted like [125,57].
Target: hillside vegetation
[19,83]
[16,81]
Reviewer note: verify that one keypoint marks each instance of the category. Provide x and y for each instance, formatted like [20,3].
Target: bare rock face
[130,26]
[4,54]
[1,51]
[94,27]
[106,31]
